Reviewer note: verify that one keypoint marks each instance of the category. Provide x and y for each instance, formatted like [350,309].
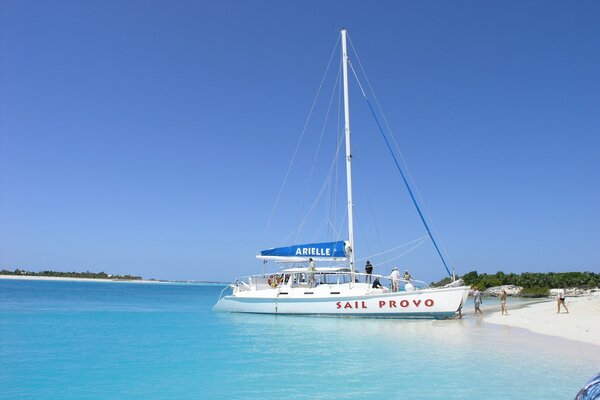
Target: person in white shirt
[395,277]
[311,272]
[560,299]
[477,300]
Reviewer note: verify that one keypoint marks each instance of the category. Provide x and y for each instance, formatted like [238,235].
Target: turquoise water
[96,340]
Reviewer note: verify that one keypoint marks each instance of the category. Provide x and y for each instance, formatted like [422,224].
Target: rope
[287,174]
[419,241]
[397,148]
[312,170]
[423,238]
[401,172]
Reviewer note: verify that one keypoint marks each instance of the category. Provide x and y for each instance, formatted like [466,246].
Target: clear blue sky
[151,137]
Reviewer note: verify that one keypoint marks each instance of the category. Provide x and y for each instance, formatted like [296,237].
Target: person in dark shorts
[560,300]
[368,271]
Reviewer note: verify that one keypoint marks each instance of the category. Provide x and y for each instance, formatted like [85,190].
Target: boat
[337,289]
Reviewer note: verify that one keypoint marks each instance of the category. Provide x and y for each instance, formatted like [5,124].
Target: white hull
[341,300]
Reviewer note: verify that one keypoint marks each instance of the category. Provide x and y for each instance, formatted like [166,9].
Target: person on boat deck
[311,272]
[395,278]
[377,284]
[407,276]
[368,271]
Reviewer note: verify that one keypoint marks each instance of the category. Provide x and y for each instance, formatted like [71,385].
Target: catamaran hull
[429,303]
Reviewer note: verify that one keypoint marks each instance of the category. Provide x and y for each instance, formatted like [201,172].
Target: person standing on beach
[368,271]
[503,302]
[477,300]
[560,299]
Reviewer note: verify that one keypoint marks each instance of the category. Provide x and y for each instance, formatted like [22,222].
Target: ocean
[99,340]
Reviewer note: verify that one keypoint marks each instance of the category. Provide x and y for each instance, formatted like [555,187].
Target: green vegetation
[87,274]
[534,284]
[442,282]
[535,292]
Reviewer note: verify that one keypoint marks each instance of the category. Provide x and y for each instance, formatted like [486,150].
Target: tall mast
[348,152]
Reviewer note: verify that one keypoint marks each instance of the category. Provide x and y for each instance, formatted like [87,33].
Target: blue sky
[152,137]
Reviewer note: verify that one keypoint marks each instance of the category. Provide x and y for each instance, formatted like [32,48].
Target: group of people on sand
[477,301]
[394,277]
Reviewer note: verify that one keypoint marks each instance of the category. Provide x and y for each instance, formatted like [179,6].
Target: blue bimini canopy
[329,251]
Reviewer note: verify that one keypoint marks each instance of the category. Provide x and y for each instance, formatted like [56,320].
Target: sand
[582,323]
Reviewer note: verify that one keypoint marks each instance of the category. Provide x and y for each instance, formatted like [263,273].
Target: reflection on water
[450,353]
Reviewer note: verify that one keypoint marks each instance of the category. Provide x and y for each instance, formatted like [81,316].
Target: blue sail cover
[317,251]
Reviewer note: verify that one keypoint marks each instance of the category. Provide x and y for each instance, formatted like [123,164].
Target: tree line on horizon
[530,280]
[59,274]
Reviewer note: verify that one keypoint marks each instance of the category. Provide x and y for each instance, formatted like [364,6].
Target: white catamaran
[338,290]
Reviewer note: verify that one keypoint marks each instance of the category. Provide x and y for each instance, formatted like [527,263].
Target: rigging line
[412,180]
[420,242]
[406,252]
[300,140]
[426,237]
[323,187]
[326,119]
[372,213]
[412,196]
[410,177]
[399,255]
[333,228]
[363,233]
[300,226]
[333,194]
[321,227]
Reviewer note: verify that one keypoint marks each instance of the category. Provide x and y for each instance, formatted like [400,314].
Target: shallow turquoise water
[96,340]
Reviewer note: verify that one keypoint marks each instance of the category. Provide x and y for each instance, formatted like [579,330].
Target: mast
[348,152]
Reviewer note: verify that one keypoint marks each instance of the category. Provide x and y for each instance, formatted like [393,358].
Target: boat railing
[416,284]
[237,286]
[275,279]
[250,282]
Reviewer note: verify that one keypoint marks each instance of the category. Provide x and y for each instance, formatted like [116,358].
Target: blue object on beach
[591,390]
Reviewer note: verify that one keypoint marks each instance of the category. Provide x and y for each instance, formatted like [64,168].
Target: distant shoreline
[64,278]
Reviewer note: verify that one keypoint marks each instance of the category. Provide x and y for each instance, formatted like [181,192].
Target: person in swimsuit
[503,302]
[560,300]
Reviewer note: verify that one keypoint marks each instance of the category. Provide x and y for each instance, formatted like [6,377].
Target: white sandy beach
[61,278]
[582,323]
